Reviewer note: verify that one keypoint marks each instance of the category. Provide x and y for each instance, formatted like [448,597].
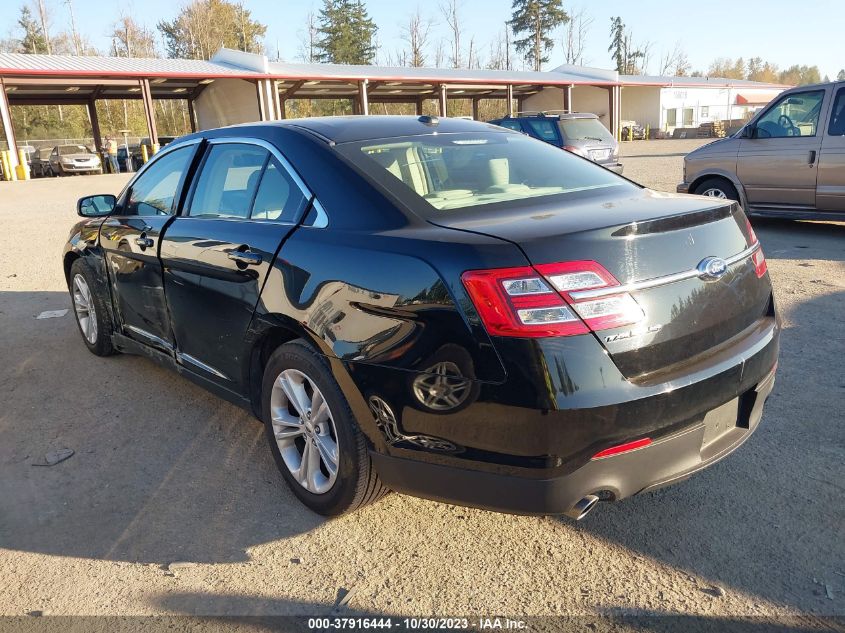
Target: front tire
[313,435]
[91,309]
[717,188]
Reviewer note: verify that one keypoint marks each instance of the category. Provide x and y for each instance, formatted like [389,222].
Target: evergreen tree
[346,33]
[535,20]
[33,40]
[617,43]
[841,75]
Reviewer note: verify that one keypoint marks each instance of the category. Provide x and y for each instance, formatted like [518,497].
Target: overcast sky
[782,31]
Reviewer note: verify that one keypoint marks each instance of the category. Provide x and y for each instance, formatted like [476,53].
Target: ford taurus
[439,307]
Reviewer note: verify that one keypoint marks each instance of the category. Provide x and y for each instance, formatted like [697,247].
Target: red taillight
[575,150]
[538,301]
[519,302]
[623,448]
[760,265]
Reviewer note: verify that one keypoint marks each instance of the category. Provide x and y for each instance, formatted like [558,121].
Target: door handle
[246,257]
[143,241]
[812,157]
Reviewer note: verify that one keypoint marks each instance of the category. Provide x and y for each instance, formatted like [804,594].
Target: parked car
[436,306]
[577,132]
[73,159]
[632,131]
[787,162]
[134,163]
[39,165]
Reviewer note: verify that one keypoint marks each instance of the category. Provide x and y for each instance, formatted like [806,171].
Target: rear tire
[91,308]
[717,188]
[295,378]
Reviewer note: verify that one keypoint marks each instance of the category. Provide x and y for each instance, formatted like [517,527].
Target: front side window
[154,191]
[837,117]
[795,114]
[543,129]
[455,171]
[228,181]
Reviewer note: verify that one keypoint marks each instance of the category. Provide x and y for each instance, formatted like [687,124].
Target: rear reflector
[623,448]
[536,301]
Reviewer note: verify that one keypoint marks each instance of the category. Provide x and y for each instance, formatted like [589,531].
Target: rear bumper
[615,167]
[668,460]
[682,187]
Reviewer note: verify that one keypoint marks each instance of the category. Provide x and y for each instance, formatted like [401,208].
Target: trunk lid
[647,236]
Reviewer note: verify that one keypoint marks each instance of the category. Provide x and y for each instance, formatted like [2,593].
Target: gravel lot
[172,503]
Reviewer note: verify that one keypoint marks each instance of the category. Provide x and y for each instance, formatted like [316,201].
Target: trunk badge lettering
[712,268]
[653,329]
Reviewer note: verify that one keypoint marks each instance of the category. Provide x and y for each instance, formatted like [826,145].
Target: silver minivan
[788,161]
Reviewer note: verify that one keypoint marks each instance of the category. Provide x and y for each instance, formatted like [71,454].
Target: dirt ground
[172,504]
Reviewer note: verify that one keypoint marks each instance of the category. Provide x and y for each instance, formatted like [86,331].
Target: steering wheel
[786,123]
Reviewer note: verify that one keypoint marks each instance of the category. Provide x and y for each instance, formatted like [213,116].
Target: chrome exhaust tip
[582,508]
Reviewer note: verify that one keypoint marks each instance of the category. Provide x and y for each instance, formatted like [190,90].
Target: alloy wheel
[305,432]
[713,192]
[83,305]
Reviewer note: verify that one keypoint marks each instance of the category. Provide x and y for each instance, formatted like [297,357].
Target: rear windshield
[585,130]
[454,171]
[66,150]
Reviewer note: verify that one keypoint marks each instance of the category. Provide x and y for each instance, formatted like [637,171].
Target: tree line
[343,32]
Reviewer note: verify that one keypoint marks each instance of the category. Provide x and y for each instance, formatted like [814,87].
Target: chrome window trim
[322,219]
[656,282]
[182,356]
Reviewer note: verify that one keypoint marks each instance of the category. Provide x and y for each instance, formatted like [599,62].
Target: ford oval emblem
[712,268]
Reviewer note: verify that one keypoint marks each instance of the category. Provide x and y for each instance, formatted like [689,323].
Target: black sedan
[439,307]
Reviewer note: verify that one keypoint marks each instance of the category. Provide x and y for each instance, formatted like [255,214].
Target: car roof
[346,129]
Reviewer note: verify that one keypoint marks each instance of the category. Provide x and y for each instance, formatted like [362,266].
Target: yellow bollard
[144,156]
[8,171]
[23,166]
[156,147]
[4,165]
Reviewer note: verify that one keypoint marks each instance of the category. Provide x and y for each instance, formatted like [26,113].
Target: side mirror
[96,206]
[749,131]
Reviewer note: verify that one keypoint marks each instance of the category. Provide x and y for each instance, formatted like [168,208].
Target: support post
[442,99]
[277,102]
[149,111]
[510,100]
[567,98]
[420,106]
[6,116]
[363,98]
[192,115]
[475,101]
[95,126]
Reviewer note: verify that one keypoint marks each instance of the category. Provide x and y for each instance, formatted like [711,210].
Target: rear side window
[278,199]
[228,181]
[543,129]
[837,118]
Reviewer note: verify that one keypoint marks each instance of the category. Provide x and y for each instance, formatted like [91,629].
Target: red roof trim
[132,74]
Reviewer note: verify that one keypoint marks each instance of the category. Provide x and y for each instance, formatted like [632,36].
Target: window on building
[705,112]
[689,117]
[672,117]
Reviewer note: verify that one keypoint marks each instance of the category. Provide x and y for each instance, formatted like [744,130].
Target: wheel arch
[730,178]
[271,331]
